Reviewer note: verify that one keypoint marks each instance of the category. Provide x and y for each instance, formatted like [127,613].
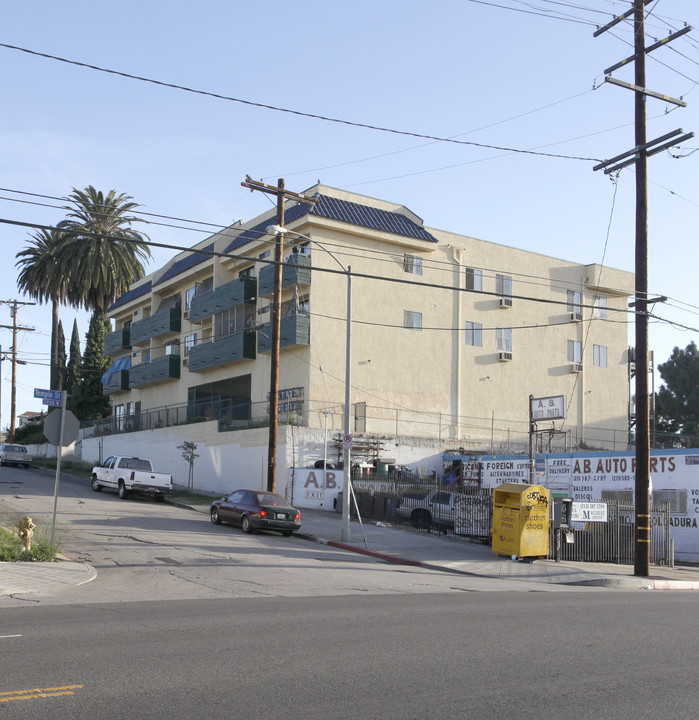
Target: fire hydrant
[25,530]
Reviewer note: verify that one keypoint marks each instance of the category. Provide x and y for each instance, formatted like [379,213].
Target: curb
[630,583]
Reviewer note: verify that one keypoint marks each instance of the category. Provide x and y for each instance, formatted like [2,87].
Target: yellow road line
[38,693]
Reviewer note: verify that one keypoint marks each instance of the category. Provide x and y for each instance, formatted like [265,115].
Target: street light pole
[347,440]
[347,433]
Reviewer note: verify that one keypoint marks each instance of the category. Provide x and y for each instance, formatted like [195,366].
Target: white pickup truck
[131,475]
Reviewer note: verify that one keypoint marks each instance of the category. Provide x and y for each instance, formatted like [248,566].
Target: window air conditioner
[576,368]
[505,356]
[506,302]
[575,317]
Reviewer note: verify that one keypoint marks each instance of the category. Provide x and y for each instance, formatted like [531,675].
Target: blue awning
[122,363]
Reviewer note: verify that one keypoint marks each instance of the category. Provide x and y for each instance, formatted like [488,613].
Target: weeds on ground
[43,550]
[72,467]
[192,498]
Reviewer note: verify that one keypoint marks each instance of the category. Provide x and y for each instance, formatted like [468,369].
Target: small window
[574,301]
[412,320]
[503,285]
[189,296]
[599,355]
[264,255]
[503,339]
[412,264]
[622,496]
[249,272]
[189,342]
[676,498]
[600,304]
[474,279]
[574,351]
[474,334]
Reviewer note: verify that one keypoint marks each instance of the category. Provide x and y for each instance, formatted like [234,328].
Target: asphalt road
[143,550]
[470,655]
[187,619]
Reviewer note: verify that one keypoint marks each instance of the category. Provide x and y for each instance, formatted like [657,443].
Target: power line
[530,12]
[300,113]
[423,145]
[357,275]
[373,253]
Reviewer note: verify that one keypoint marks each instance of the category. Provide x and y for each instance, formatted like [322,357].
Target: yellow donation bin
[521,520]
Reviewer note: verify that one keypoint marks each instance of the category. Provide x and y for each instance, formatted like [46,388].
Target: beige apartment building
[450,335]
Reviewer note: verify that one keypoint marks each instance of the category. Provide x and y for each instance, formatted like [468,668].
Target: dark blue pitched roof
[344,211]
[186,263]
[132,295]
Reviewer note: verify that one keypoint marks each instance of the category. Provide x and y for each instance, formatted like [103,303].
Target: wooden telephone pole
[13,353]
[639,156]
[281,194]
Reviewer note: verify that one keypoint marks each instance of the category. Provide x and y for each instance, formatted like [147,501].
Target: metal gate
[614,541]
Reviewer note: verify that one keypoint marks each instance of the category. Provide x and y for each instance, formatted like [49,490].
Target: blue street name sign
[50,397]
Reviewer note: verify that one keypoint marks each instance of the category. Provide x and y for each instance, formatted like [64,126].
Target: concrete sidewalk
[439,552]
[388,544]
[18,578]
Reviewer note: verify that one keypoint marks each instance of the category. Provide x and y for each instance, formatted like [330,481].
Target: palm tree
[44,277]
[106,253]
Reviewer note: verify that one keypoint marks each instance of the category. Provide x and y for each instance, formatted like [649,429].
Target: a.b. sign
[549,408]
[588,512]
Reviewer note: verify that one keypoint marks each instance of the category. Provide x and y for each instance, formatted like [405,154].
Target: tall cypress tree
[73,368]
[60,357]
[89,402]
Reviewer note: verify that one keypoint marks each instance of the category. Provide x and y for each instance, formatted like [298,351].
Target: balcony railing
[225,297]
[295,331]
[117,341]
[230,414]
[118,382]
[155,371]
[238,346]
[162,323]
[296,271]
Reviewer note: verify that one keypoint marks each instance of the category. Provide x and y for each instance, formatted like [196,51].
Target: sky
[498,76]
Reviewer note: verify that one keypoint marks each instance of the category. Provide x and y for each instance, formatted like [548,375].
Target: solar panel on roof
[343,211]
[131,295]
[186,263]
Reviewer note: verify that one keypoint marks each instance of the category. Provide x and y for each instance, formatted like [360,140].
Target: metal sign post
[56,398]
[59,455]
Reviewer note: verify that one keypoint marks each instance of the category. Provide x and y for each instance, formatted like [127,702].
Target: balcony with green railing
[118,382]
[225,297]
[295,331]
[228,349]
[156,371]
[162,323]
[117,341]
[296,271]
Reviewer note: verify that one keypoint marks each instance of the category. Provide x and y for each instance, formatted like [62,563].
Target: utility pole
[13,352]
[281,194]
[639,156]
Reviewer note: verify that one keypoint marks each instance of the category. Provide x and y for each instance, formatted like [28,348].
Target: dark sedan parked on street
[256,510]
